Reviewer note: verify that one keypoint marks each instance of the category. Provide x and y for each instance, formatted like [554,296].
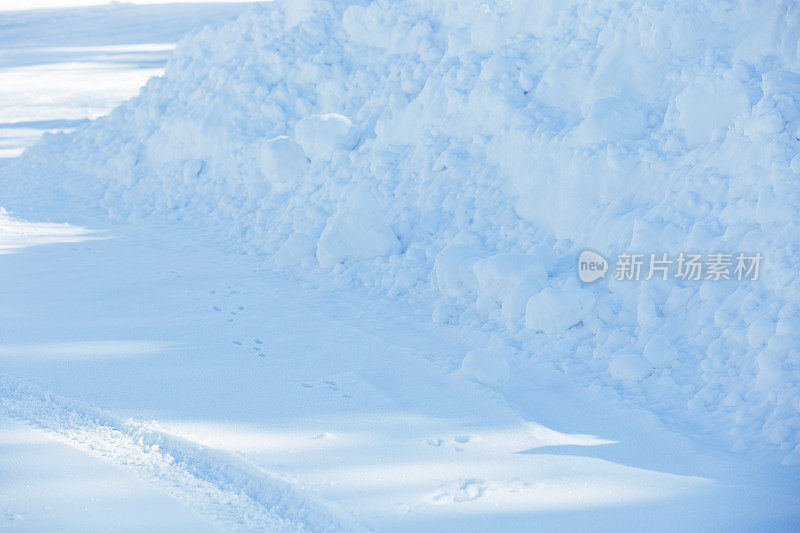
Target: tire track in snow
[232,493]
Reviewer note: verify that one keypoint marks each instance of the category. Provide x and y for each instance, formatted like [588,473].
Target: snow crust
[464,153]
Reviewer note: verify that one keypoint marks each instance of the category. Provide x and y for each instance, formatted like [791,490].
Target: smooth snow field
[311,265]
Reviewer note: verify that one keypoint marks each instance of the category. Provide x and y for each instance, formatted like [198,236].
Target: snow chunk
[357,231]
[789,325]
[780,82]
[555,310]
[282,162]
[659,352]
[488,365]
[296,248]
[629,367]
[791,460]
[321,136]
[707,105]
[769,372]
[453,268]
[502,277]
[297,11]
[760,331]
[612,120]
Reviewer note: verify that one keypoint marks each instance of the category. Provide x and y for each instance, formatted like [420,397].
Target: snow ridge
[225,488]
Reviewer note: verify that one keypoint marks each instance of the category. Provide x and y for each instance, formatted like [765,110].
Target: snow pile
[467,152]
[488,365]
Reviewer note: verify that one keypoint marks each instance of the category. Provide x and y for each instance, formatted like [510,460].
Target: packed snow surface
[264,405]
[460,155]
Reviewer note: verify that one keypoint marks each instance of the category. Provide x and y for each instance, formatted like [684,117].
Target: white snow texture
[464,153]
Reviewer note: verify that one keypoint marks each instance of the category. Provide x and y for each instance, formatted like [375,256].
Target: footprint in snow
[237,343]
[258,341]
[11,516]
[329,383]
[435,442]
[465,490]
[216,308]
[460,439]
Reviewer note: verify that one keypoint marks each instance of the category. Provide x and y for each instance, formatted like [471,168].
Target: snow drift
[466,153]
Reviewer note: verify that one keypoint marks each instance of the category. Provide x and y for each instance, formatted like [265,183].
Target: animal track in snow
[329,384]
[465,490]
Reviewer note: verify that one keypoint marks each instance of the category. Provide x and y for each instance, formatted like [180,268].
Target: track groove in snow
[232,493]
